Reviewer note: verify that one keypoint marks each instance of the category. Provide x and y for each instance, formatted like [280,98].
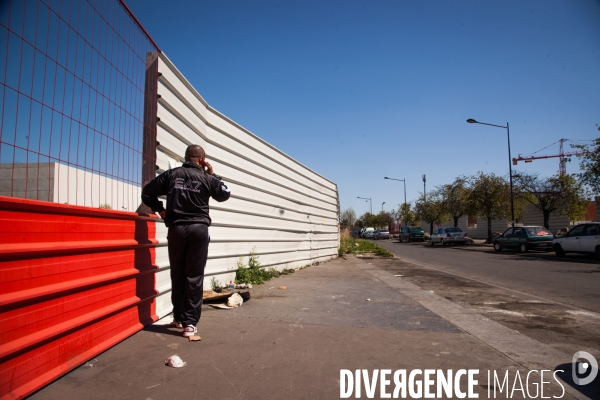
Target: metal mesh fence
[76,100]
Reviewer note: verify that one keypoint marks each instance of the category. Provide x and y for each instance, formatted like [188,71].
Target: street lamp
[370,203]
[401,180]
[512,203]
[424,188]
[382,207]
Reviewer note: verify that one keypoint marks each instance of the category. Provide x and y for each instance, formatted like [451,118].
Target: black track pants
[188,250]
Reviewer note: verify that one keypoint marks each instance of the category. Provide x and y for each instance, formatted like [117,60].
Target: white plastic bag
[175,362]
[235,300]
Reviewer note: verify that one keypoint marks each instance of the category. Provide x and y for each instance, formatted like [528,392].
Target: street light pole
[512,202]
[424,188]
[370,203]
[382,207]
[403,181]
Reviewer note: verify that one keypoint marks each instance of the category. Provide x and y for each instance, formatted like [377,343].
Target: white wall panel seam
[234,211]
[164,101]
[164,124]
[233,196]
[299,202]
[224,271]
[235,168]
[264,253]
[265,227]
[192,90]
[251,240]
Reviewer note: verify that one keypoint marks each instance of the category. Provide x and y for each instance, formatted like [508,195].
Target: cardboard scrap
[221,306]
[282,287]
[194,338]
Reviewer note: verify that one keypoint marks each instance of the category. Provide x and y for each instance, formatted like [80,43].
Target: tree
[558,193]
[406,214]
[432,210]
[369,220]
[489,198]
[384,219]
[590,165]
[348,218]
[454,197]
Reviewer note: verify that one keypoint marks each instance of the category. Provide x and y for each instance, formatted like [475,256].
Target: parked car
[446,236]
[381,234]
[369,234]
[583,238]
[524,238]
[411,234]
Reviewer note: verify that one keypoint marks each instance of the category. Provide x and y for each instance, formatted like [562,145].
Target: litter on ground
[235,300]
[175,362]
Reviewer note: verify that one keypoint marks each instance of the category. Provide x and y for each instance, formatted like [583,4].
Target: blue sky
[359,90]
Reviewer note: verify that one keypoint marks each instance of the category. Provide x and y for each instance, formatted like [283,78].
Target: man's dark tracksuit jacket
[188,189]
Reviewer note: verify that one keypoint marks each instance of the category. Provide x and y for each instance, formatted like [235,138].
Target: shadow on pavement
[164,329]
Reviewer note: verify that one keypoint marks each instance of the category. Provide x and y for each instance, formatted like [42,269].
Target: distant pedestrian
[188,189]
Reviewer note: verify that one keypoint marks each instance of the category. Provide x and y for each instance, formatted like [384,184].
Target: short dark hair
[194,153]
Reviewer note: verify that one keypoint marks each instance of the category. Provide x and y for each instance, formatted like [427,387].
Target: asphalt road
[573,280]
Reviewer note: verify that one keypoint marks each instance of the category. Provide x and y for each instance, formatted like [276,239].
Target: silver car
[446,236]
[381,234]
[583,238]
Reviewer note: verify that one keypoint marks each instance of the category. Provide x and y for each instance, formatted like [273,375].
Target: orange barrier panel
[74,281]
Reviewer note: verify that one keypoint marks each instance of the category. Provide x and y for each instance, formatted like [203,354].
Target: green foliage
[253,273]
[384,219]
[369,220]
[349,245]
[347,218]
[432,210]
[214,284]
[105,206]
[489,198]
[590,165]
[558,193]
[454,197]
[406,214]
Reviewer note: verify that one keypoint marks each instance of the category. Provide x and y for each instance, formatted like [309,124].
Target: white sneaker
[189,330]
[176,324]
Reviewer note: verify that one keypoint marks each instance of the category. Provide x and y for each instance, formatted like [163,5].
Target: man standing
[188,189]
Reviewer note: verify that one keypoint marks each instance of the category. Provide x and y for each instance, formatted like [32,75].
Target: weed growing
[349,245]
[253,273]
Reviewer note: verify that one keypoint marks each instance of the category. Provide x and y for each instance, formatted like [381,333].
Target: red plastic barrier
[74,281]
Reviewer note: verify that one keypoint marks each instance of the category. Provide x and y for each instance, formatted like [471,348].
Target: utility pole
[424,188]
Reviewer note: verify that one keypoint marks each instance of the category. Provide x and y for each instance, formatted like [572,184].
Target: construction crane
[562,156]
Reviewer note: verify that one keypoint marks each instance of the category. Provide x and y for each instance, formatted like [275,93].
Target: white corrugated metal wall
[284,211]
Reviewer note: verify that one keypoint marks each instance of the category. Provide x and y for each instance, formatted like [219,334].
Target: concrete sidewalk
[344,314]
